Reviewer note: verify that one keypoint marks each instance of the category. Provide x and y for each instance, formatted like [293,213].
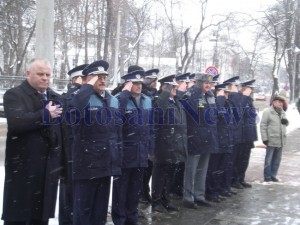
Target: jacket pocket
[96,154]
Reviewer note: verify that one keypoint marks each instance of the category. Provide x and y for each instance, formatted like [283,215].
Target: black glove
[284,121]
[266,142]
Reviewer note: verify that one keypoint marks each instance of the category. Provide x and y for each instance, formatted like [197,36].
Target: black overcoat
[33,157]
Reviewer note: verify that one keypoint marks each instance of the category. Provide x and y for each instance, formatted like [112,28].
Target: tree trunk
[297,43]
[109,11]
[86,57]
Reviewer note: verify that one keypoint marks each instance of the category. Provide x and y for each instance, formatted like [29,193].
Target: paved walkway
[263,204]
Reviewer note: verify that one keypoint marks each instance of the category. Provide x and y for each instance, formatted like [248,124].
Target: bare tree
[188,56]
[274,23]
[17,24]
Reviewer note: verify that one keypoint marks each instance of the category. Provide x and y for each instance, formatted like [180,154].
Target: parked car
[260,96]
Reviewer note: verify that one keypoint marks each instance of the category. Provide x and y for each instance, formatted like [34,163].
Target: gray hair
[34,60]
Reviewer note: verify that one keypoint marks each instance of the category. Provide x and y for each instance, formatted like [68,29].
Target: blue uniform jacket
[201,122]
[224,125]
[137,133]
[249,120]
[97,142]
[237,115]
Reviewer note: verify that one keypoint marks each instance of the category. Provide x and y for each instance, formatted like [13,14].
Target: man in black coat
[33,159]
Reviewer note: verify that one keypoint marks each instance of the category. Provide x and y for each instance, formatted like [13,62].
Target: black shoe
[144,200]
[222,198]
[203,203]
[233,192]
[189,205]
[274,179]
[159,208]
[237,185]
[175,196]
[213,199]
[171,208]
[226,194]
[141,215]
[268,179]
[245,184]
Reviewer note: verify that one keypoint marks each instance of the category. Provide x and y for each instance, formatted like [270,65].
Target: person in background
[273,134]
[150,83]
[34,154]
[96,146]
[234,99]
[192,81]
[76,78]
[170,143]
[65,216]
[149,89]
[120,86]
[176,190]
[249,132]
[137,136]
[218,179]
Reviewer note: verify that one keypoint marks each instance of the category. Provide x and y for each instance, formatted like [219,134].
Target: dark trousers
[65,216]
[32,222]
[214,175]
[244,159]
[241,160]
[145,190]
[125,197]
[226,166]
[177,181]
[235,158]
[161,181]
[91,201]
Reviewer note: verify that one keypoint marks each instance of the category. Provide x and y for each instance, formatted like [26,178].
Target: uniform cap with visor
[233,80]
[170,79]
[97,67]
[135,76]
[77,71]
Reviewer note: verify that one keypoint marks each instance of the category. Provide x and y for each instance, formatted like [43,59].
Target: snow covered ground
[292,115]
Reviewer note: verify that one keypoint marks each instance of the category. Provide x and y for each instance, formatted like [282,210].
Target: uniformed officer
[97,150]
[150,82]
[191,80]
[215,81]
[170,143]
[202,139]
[149,89]
[218,179]
[249,132]
[65,187]
[176,190]
[234,100]
[137,132]
[120,86]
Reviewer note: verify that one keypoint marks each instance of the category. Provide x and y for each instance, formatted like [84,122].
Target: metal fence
[7,82]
